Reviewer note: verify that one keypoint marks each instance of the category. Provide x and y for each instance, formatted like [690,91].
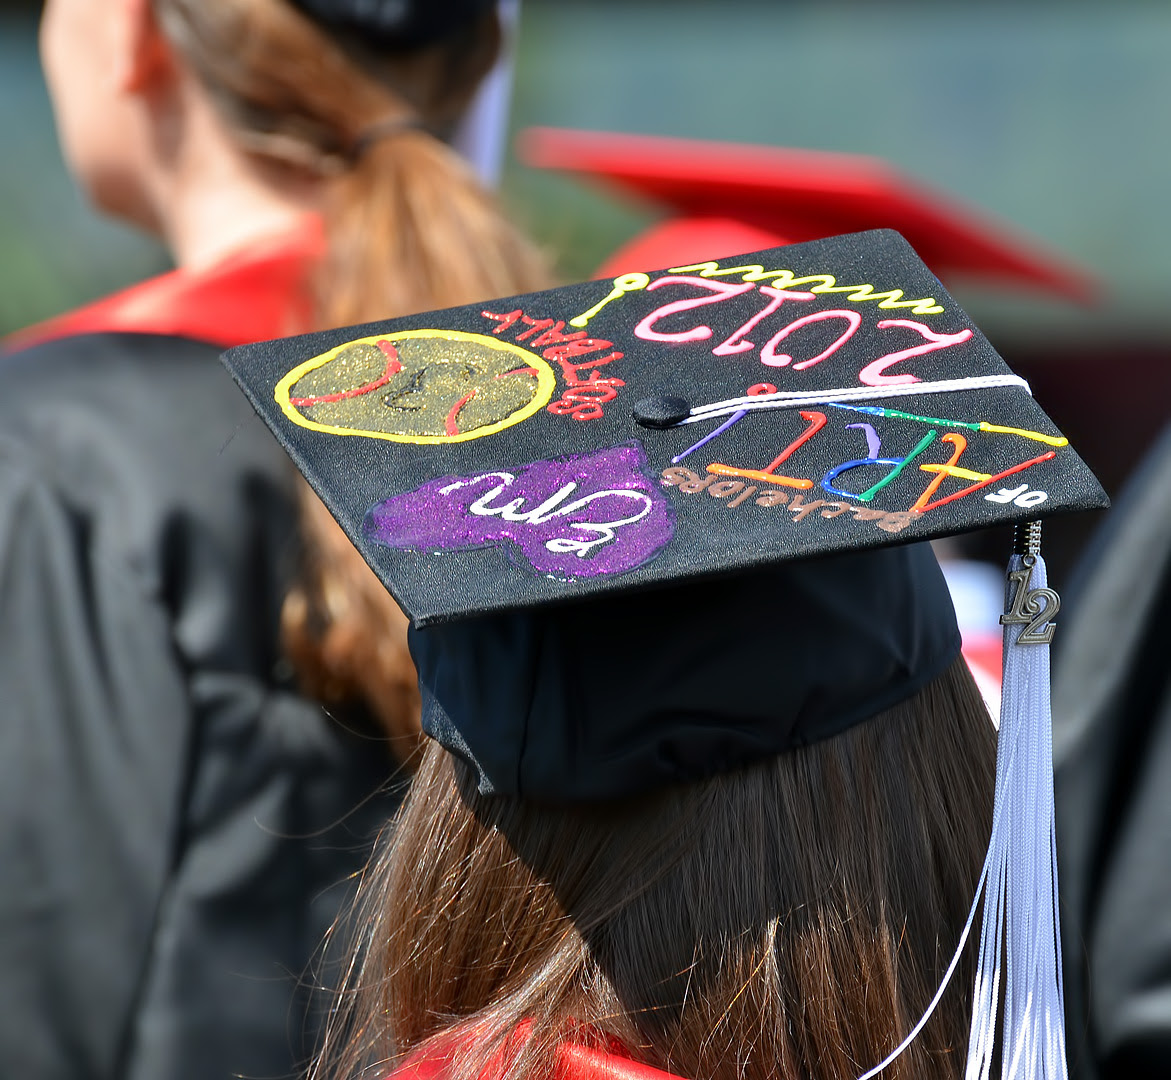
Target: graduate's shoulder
[139,431]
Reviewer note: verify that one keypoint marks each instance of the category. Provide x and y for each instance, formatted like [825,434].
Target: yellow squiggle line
[1052,440]
[785,279]
[751,273]
[957,472]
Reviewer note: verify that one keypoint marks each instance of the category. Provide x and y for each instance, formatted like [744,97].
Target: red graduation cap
[732,197]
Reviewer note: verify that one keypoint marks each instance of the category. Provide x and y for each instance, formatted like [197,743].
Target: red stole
[260,292]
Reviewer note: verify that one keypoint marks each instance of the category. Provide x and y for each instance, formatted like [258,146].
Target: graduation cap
[596,501]
[397,24]
[730,197]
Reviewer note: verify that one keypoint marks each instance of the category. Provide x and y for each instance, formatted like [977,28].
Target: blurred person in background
[175,815]
[1112,759]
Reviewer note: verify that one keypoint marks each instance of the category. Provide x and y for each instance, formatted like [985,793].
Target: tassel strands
[1020,934]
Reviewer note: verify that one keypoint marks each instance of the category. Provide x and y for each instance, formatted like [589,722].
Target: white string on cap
[786,399]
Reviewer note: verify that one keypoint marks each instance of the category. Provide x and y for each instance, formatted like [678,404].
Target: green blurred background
[1050,115]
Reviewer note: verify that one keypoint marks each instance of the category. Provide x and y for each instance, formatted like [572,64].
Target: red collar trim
[581,1063]
[574,1062]
[264,291]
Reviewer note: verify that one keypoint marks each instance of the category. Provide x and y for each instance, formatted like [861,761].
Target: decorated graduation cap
[729,197]
[602,505]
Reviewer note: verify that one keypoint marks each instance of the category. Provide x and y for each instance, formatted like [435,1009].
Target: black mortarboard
[602,503]
[610,436]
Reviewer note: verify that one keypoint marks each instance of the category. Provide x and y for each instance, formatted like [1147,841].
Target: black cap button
[661,411]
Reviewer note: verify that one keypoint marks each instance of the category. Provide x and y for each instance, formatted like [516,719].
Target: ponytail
[409,229]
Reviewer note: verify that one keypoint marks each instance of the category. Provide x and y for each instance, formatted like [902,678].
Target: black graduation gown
[176,825]
[1112,747]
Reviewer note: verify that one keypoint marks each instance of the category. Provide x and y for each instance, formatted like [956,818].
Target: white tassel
[1020,937]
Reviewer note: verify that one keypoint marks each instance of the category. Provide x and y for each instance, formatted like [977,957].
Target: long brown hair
[791,919]
[409,228]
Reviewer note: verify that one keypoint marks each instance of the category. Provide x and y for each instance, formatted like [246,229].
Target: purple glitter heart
[579,516]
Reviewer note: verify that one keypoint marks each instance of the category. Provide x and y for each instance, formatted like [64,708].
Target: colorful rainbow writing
[718,292]
[971,425]
[895,466]
[827,283]
[583,398]
[737,493]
